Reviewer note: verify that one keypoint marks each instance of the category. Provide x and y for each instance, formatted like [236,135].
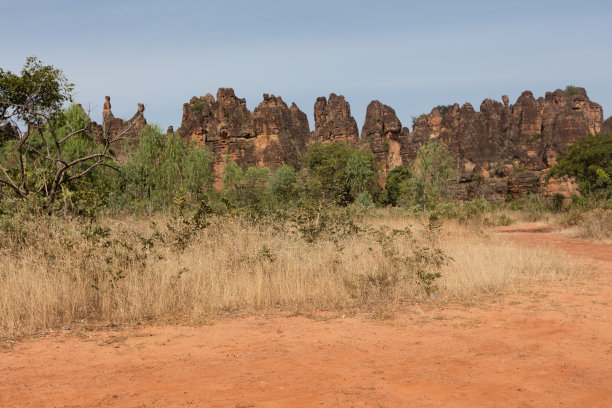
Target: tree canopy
[44,147]
[37,92]
[344,172]
[589,160]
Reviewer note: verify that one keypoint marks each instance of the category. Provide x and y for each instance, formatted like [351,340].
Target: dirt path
[552,348]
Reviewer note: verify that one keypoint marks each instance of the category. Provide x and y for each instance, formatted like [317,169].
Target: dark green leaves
[589,160]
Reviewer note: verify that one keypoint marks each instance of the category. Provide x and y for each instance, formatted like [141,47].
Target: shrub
[556,202]
[570,90]
[163,169]
[343,172]
[589,160]
[198,174]
[397,184]
[282,185]
[197,106]
[246,191]
[364,199]
[442,109]
[433,172]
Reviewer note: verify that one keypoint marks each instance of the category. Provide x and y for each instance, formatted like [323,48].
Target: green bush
[570,90]
[397,184]
[342,172]
[589,160]
[246,191]
[198,171]
[282,185]
[442,109]
[433,173]
[365,199]
[529,203]
[164,170]
[197,106]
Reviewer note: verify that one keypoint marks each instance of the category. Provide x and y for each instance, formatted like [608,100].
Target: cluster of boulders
[501,150]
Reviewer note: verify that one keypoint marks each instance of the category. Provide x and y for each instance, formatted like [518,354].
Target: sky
[410,55]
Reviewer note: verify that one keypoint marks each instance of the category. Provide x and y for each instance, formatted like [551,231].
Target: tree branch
[89,170]
[9,182]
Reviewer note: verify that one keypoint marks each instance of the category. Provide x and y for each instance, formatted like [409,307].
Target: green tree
[397,184]
[232,175]
[360,177]
[199,174]
[38,92]
[434,171]
[49,149]
[570,90]
[282,185]
[246,190]
[163,169]
[589,160]
[341,171]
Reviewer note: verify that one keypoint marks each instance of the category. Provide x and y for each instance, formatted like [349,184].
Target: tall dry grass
[54,272]
[594,224]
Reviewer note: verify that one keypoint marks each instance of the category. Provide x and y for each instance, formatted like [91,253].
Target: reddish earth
[551,347]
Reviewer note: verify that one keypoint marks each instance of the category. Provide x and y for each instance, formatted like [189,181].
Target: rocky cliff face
[502,149]
[606,127]
[128,129]
[272,135]
[383,135]
[333,121]
[506,149]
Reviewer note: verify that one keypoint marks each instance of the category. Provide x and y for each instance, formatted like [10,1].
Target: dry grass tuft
[595,224]
[487,264]
[54,272]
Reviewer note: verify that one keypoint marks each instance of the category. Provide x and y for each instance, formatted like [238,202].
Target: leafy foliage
[282,185]
[197,106]
[250,191]
[38,88]
[49,150]
[589,160]
[570,90]
[442,109]
[40,170]
[164,169]
[343,172]
[397,184]
[433,173]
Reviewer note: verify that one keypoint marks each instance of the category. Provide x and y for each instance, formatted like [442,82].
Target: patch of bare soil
[550,347]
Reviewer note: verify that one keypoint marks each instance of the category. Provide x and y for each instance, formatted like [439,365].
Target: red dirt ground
[548,348]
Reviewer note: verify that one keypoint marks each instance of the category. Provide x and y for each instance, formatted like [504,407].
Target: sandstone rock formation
[333,121]
[606,127]
[383,135]
[506,149]
[115,126]
[112,127]
[501,150]
[107,114]
[272,135]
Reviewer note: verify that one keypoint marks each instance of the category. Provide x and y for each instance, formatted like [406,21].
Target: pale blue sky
[409,55]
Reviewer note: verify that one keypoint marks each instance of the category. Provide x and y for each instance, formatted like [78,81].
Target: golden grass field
[56,272]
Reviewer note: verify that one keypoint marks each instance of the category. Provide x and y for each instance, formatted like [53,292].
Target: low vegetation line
[55,272]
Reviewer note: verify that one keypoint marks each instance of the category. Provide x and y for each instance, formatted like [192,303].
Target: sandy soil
[551,347]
